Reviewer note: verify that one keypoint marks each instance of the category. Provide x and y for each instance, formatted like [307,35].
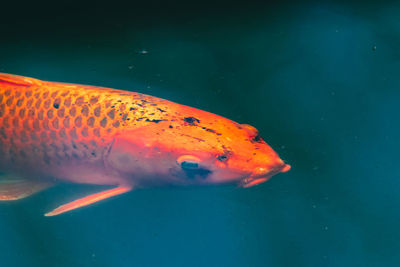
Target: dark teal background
[320,80]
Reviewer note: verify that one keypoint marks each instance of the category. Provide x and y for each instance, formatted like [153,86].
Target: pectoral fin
[14,188]
[88,200]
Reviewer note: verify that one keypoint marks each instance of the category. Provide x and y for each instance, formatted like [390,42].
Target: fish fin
[88,200]
[17,80]
[14,187]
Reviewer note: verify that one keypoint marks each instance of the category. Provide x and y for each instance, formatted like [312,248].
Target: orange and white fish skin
[53,132]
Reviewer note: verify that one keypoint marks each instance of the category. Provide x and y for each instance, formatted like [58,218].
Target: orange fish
[54,132]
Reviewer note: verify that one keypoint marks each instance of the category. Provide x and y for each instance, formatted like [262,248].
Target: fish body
[54,132]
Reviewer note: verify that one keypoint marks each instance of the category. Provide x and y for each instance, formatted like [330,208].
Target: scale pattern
[56,122]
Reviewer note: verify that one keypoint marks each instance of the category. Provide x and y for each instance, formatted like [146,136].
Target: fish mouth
[250,181]
[261,175]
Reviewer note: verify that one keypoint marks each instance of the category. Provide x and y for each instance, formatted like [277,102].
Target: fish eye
[189,165]
[188,162]
[193,169]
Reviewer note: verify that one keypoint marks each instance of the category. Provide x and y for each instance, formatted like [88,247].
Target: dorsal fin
[16,80]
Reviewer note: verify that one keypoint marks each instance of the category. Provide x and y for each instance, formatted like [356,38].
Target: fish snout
[262,174]
[265,171]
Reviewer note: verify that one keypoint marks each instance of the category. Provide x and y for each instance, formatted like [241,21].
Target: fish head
[200,149]
[246,159]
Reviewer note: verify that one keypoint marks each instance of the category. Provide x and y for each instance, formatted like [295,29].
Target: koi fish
[53,132]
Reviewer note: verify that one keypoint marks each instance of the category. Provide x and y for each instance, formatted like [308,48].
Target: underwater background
[319,79]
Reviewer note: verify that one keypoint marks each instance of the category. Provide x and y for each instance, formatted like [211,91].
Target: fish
[53,133]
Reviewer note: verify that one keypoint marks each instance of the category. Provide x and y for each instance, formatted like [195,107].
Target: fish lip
[253,180]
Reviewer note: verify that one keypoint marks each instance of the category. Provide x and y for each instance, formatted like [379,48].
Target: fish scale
[57,122]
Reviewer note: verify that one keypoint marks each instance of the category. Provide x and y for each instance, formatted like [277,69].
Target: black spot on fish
[222,158]
[257,139]
[212,131]
[56,105]
[155,121]
[161,110]
[191,121]
[171,127]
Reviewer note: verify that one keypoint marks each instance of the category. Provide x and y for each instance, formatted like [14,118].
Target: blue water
[319,80]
